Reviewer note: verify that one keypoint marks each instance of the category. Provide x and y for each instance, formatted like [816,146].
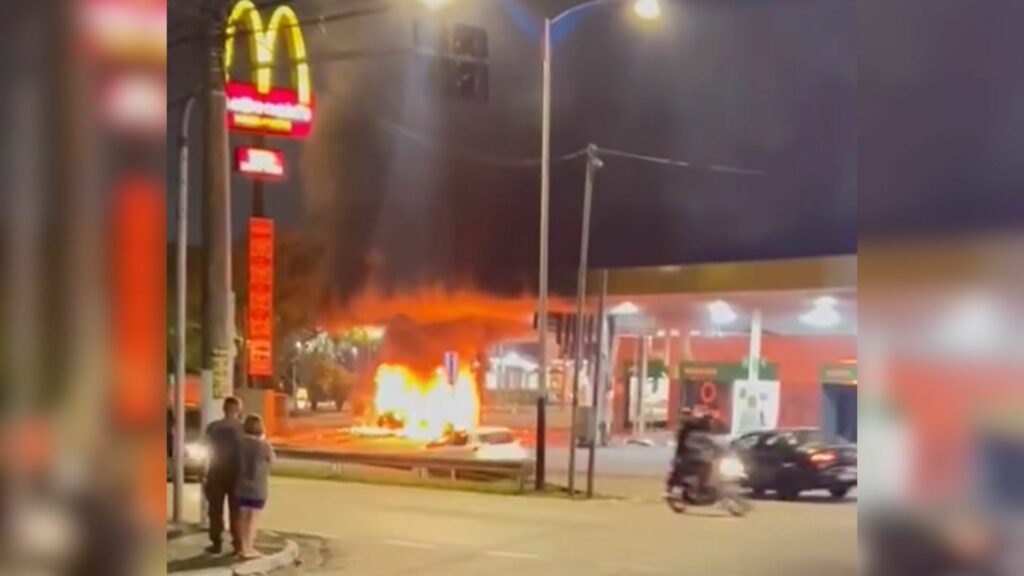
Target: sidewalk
[186,554]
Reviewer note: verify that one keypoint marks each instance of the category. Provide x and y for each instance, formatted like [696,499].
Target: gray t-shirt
[255,458]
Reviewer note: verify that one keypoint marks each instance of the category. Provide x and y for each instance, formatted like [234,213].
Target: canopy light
[514,360]
[624,309]
[721,313]
[823,314]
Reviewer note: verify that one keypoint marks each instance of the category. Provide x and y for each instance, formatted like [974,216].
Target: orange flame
[426,409]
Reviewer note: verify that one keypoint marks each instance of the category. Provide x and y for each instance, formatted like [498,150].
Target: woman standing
[256,457]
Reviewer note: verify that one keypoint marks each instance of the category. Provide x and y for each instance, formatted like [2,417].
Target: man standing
[224,437]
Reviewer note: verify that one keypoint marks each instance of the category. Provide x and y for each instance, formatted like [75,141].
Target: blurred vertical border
[82,244]
[941,273]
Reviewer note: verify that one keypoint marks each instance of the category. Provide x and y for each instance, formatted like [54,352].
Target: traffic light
[469,80]
[459,56]
[469,72]
[469,42]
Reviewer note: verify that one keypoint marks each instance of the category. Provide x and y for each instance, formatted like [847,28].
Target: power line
[679,163]
[301,23]
[471,155]
[404,132]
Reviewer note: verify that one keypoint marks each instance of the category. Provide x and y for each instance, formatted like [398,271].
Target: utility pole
[182,320]
[598,382]
[593,163]
[641,418]
[218,328]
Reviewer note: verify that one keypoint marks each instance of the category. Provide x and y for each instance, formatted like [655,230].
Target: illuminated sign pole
[262,109]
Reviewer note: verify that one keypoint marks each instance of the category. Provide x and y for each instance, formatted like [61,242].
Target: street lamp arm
[582,6]
[186,117]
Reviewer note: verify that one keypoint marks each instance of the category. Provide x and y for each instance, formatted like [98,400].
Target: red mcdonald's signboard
[261,297]
[259,163]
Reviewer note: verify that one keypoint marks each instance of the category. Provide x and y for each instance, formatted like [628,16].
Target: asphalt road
[389,531]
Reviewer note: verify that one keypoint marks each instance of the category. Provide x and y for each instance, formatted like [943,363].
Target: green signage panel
[724,371]
[839,374]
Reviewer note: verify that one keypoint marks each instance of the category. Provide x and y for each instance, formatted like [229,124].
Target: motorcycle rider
[695,452]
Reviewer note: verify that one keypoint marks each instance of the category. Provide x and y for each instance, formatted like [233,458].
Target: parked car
[197,453]
[791,461]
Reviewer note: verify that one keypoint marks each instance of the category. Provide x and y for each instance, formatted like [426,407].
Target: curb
[286,557]
[289,556]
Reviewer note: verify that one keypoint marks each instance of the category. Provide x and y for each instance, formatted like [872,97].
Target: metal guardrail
[423,465]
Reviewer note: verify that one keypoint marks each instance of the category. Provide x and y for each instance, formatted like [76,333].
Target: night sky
[421,189]
[941,128]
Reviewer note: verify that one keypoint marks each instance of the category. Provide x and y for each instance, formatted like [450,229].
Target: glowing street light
[647,9]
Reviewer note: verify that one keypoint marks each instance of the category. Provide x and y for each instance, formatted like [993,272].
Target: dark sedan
[790,461]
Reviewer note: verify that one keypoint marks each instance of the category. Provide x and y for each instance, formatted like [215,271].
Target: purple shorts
[251,503]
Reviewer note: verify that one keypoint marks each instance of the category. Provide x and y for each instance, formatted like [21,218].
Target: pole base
[539,477]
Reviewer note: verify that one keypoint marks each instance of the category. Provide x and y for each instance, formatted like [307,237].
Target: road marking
[638,568]
[515,555]
[408,544]
[648,569]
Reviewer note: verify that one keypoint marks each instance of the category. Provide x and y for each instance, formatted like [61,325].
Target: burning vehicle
[425,407]
[408,390]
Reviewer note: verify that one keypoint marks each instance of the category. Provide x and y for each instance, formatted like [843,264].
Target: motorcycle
[724,487]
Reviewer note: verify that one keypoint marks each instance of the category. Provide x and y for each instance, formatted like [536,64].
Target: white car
[197,453]
[484,443]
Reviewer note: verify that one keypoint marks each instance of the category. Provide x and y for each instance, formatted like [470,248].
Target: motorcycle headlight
[197,452]
[731,467]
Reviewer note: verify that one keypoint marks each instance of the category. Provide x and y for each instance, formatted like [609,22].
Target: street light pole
[182,277]
[542,291]
[648,10]
[593,163]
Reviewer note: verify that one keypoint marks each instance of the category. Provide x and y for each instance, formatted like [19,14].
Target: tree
[325,378]
[193,309]
[301,291]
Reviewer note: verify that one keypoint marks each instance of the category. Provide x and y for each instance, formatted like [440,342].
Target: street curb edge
[286,557]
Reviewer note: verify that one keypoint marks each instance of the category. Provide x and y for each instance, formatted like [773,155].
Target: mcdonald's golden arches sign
[259,105]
